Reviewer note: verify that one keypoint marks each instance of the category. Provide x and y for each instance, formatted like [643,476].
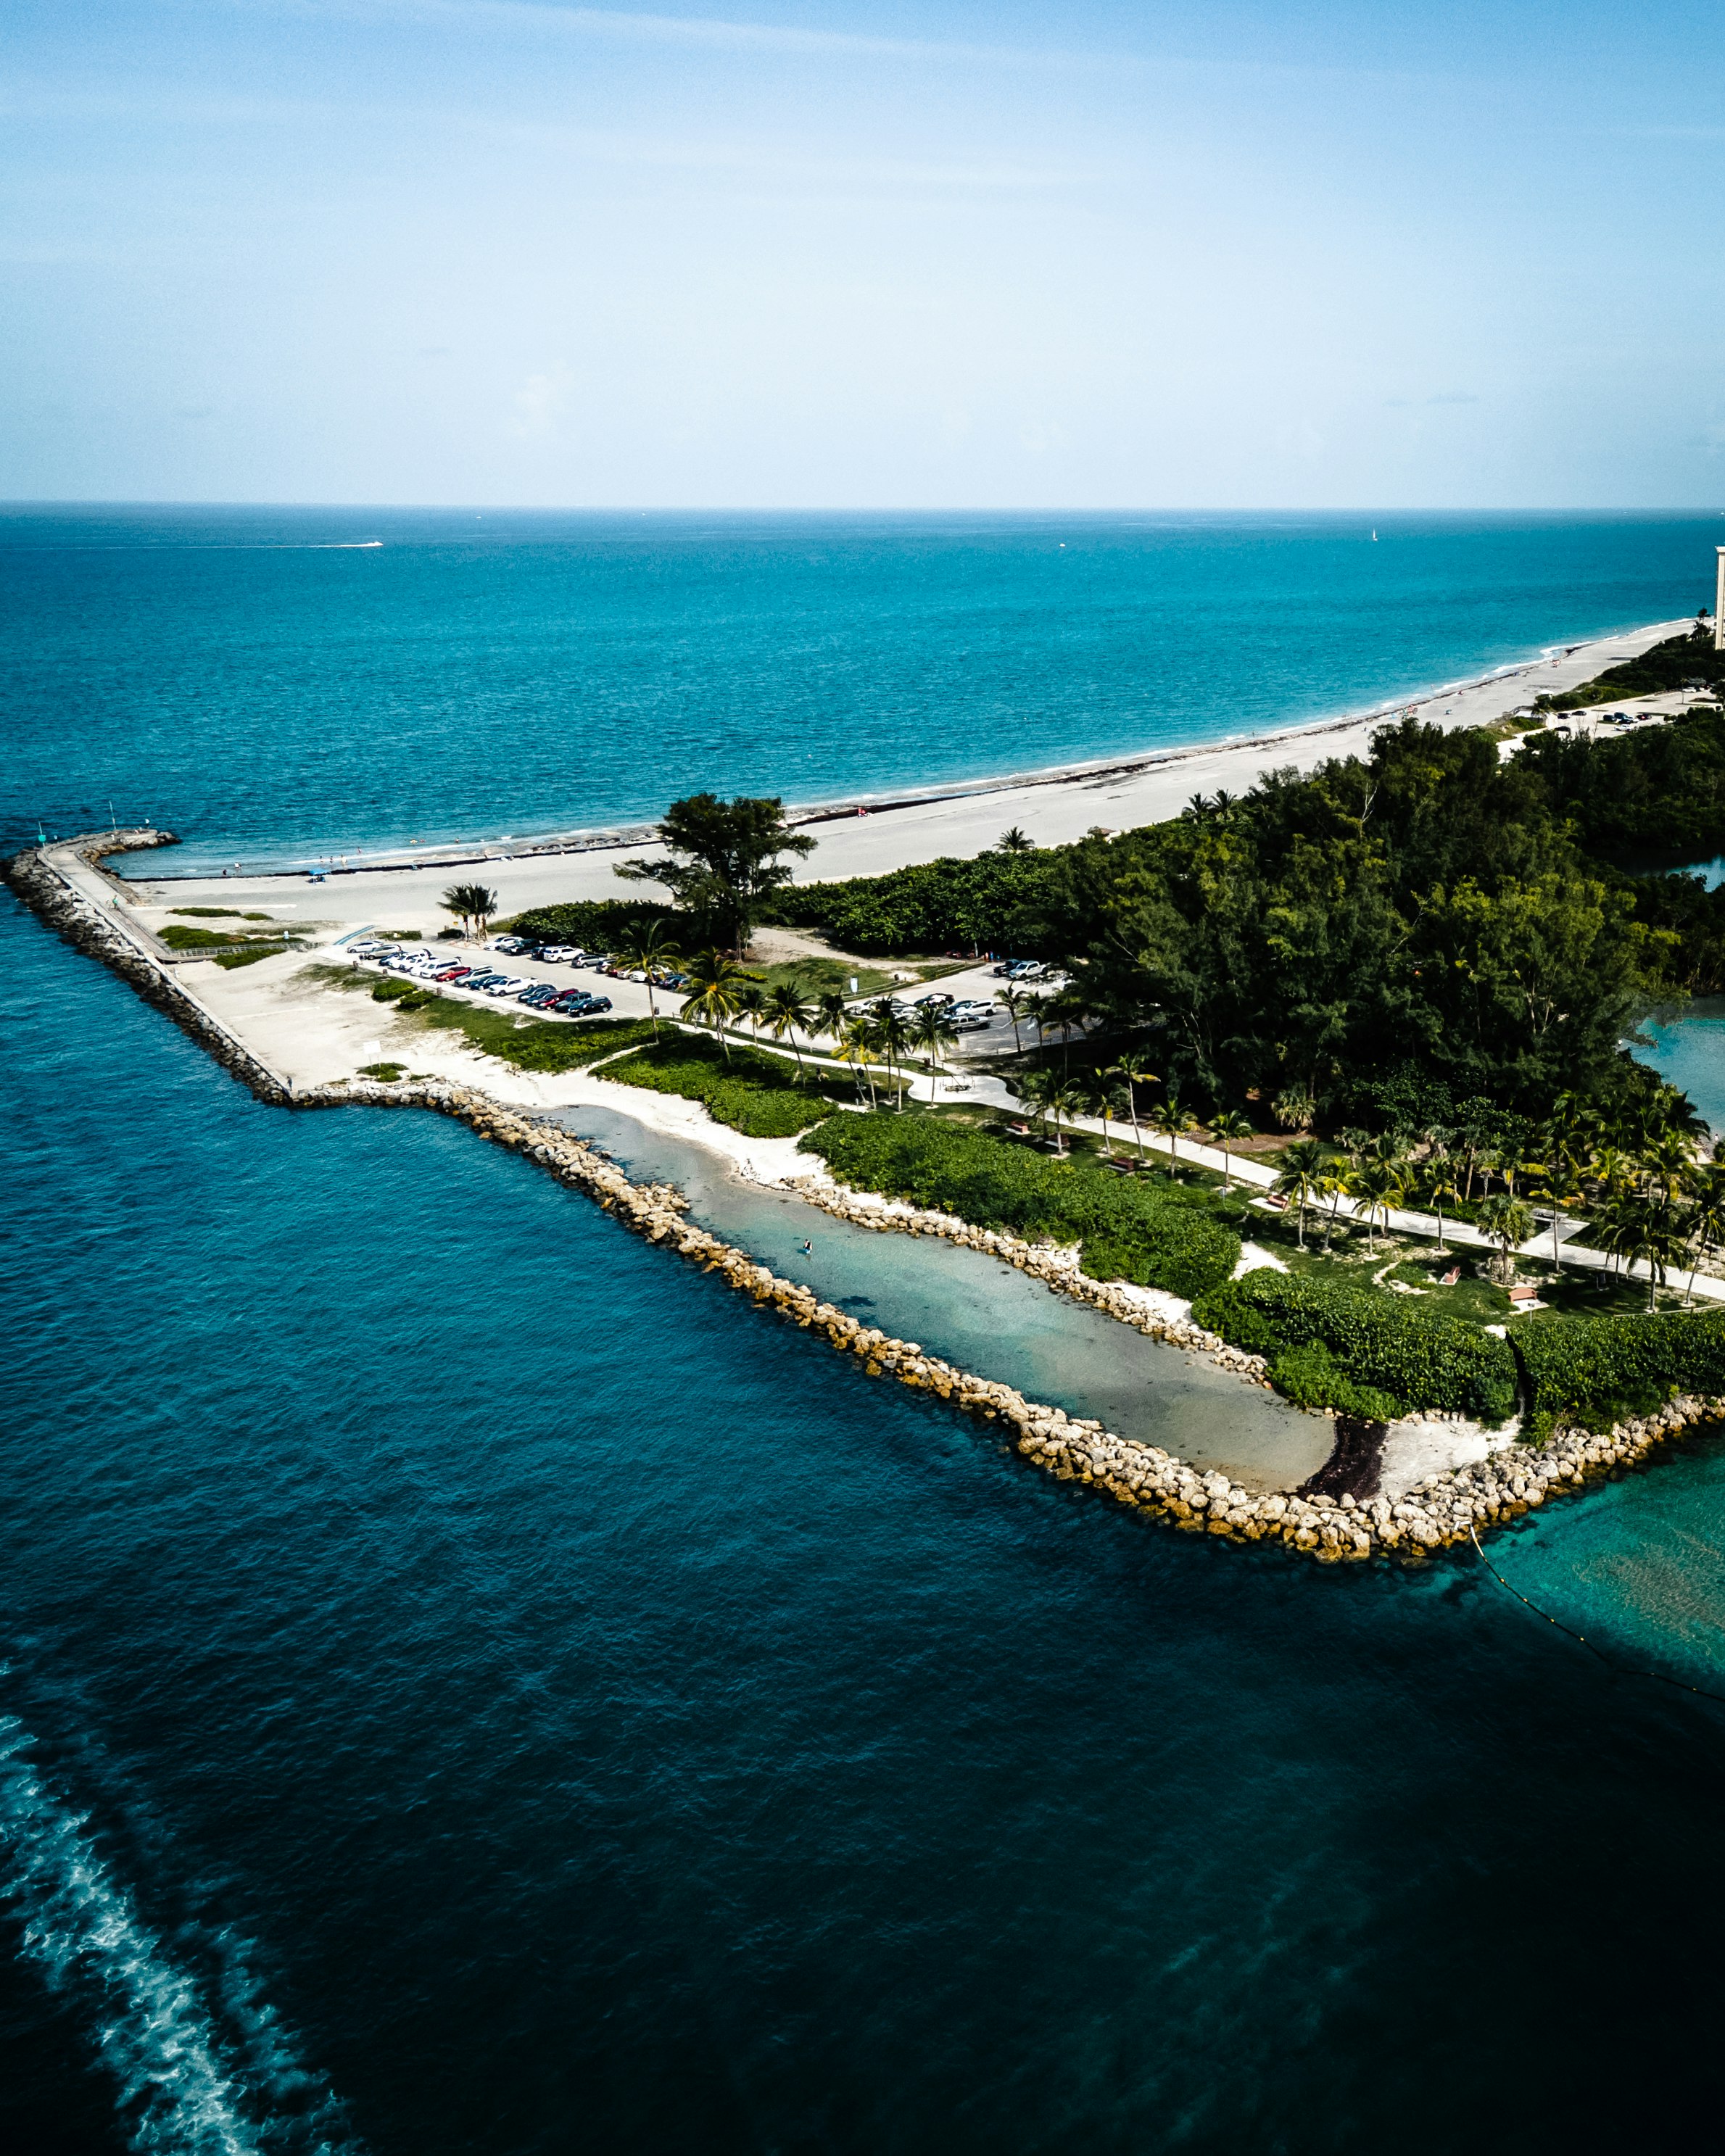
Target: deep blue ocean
[470,1683]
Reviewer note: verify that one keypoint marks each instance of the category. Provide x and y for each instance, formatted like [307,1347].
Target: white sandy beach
[401,892]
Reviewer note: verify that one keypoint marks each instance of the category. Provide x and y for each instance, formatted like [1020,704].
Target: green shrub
[596,924]
[227,960]
[1133,1231]
[1374,1341]
[761,1095]
[1311,1378]
[200,939]
[1596,1370]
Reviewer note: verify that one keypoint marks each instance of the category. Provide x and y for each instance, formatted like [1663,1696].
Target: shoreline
[1136,770]
[1440,1510]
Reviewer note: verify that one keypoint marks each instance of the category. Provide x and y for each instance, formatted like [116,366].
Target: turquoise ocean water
[467,1684]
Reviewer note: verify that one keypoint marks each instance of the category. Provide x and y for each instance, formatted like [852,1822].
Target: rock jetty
[1445,1509]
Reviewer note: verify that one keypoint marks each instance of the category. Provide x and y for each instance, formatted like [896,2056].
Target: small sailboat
[1374,538]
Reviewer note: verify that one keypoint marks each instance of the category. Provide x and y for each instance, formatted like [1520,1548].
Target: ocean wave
[186,2087]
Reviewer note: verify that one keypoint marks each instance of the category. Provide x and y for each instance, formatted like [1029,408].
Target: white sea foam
[154,2031]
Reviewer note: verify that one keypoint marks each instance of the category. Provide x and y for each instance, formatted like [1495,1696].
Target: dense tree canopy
[723,860]
[1418,914]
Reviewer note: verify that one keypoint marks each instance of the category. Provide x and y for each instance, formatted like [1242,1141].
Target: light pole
[1719,602]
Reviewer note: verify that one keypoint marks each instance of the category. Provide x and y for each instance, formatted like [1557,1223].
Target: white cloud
[540,401]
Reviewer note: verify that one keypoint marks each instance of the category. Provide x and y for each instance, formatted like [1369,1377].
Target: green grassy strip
[762,1095]
[227,960]
[1158,1235]
[202,939]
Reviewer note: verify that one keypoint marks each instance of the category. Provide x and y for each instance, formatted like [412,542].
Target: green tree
[1506,1222]
[1173,1121]
[1227,1126]
[932,1032]
[789,1011]
[1371,1183]
[752,1004]
[1014,1003]
[472,905]
[1557,1185]
[716,983]
[1065,1100]
[855,1046]
[1302,1166]
[649,951]
[1705,1221]
[833,1012]
[1438,1179]
[1015,841]
[723,860]
[889,1035]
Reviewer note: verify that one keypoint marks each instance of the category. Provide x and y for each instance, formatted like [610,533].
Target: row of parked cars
[1021,969]
[964,1014]
[571,954]
[436,967]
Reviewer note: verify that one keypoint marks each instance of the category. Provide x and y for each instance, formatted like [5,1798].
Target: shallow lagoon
[988,1317]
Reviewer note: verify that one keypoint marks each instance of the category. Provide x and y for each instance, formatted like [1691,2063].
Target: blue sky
[824,254]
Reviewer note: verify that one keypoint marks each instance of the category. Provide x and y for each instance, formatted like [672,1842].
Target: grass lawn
[815,976]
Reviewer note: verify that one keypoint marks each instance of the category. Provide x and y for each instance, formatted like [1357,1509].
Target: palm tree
[1506,1222]
[1371,1181]
[931,1030]
[1015,841]
[890,1034]
[787,1009]
[1171,1119]
[716,987]
[1065,1099]
[1332,1185]
[1227,1126]
[1066,1011]
[833,1012]
[752,1004]
[1036,1089]
[1558,1186]
[1302,1166]
[1134,1078]
[1647,1229]
[855,1045]
[470,903]
[1439,1180]
[1706,1217]
[649,952]
[1014,1003]
[1103,1100]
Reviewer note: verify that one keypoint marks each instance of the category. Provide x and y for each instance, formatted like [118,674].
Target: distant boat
[1374,537]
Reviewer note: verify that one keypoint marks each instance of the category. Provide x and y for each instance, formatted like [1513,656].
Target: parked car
[938,1001]
[481,980]
[509,984]
[599,1003]
[447,973]
[512,944]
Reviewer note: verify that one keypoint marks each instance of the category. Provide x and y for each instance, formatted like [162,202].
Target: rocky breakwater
[129,950]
